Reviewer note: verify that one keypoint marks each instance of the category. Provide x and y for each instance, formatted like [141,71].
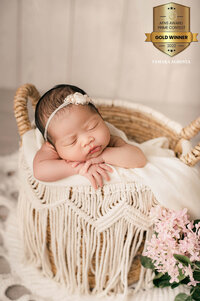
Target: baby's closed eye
[73,142]
[91,127]
[69,143]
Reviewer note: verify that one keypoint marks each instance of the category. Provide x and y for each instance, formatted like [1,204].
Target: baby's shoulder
[116,141]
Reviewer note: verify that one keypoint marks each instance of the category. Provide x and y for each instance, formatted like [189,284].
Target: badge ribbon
[177,37]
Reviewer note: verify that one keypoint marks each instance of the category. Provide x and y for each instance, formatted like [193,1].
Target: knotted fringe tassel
[82,238]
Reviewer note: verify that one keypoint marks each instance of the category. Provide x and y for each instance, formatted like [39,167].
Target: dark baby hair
[50,101]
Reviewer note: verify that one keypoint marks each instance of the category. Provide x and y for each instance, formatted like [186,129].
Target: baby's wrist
[79,167]
[75,169]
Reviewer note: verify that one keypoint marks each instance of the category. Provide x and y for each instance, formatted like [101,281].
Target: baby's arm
[120,153]
[123,154]
[48,167]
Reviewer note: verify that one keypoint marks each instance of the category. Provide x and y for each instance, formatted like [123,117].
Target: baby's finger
[106,167]
[84,169]
[103,174]
[98,179]
[92,181]
[86,166]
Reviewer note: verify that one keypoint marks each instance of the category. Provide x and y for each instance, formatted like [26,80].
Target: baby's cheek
[63,153]
[64,156]
[106,136]
[74,155]
[79,156]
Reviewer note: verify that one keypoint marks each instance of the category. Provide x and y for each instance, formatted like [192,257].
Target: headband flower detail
[75,99]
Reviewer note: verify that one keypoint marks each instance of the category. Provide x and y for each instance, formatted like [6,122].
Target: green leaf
[197,264]
[182,297]
[162,281]
[159,275]
[183,259]
[185,280]
[196,275]
[196,293]
[196,221]
[175,284]
[181,276]
[189,298]
[162,284]
[147,262]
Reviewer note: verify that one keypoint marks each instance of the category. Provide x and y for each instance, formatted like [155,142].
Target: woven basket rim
[175,126]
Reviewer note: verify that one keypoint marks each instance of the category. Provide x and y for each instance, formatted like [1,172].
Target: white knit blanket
[22,282]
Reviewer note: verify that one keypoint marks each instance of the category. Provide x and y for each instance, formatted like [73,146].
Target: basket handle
[188,133]
[192,157]
[20,106]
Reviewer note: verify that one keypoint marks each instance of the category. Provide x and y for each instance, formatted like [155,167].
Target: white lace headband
[76,99]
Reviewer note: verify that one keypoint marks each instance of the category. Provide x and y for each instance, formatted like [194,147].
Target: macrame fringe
[79,231]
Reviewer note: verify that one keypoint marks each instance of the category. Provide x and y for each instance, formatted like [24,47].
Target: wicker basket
[139,122]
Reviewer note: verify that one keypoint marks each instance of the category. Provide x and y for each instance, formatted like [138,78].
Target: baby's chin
[88,156]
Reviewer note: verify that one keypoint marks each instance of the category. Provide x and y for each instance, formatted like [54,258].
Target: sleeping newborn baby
[77,140]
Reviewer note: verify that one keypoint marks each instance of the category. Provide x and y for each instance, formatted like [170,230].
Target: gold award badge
[171,28]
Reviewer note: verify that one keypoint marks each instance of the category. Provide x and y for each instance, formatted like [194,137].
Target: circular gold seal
[172,15]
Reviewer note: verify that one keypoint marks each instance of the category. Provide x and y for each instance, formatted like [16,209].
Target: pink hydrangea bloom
[173,235]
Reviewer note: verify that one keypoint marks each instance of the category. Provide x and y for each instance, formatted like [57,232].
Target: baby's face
[77,131]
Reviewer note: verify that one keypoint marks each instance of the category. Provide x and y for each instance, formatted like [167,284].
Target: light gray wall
[97,45]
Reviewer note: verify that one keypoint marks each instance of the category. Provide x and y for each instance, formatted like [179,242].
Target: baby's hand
[98,160]
[95,174]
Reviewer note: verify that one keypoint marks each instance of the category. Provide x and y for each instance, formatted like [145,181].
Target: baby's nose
[87,140]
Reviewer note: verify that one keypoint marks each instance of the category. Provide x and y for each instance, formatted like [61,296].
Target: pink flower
[175,234]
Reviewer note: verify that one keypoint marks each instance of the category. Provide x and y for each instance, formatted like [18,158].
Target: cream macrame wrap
[116,211]
[77,216]
[107,224]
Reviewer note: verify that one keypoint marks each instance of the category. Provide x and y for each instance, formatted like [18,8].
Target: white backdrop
[97,45]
